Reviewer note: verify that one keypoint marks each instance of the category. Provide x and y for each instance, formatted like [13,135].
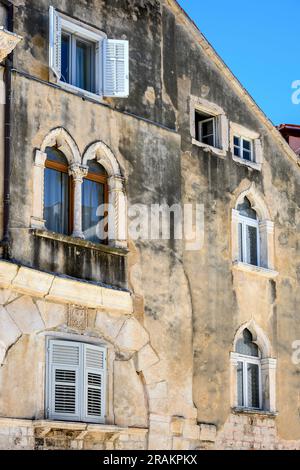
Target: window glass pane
[245,345]
[55,155]
[56,201]
[246,210]
[95,168]
[240,384]
[236,141]
[237,151]
[207,128]
[84,65]
[65,58]
[246,155]
[251,245]
[246,145]
[253,385]
[92,198]
[209,140]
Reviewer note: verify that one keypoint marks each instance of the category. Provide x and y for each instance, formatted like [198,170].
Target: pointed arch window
[57,192]
[248,229]
[94,199]
[249,389]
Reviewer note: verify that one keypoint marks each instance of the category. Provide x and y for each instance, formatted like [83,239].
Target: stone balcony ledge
[63,289]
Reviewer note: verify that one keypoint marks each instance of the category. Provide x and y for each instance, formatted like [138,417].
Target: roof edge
[240,89]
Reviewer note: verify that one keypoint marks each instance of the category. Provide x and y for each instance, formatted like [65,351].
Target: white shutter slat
[115,68]
[55,42]
[64,358]
[94,361]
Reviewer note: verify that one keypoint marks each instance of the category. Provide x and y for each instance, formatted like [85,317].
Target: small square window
[205,129]
[243,148]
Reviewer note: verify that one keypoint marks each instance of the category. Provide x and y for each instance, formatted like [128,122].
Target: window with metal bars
[76,378]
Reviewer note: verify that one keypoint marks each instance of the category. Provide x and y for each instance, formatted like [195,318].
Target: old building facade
[141,342]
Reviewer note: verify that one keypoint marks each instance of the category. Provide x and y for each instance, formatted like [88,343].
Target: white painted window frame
[241,148]
[200,130]
[247,222]
[221,125]
[243,133]
[245,360]
[81,383]
[76,31]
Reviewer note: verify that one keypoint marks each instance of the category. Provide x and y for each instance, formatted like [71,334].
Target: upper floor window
[243,148]
[76,381]
[209,126]
[205,128]
[249,242]
[57,192]
[246,146]
[84,58]
[248,372]
[94,198]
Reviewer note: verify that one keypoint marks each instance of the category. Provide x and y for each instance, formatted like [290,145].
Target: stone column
[234,358]
[78,172]
[268,377]
[266,231]
[117,216]
[235,235]
[37,219]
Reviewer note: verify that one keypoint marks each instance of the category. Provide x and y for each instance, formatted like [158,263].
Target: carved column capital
[78,172]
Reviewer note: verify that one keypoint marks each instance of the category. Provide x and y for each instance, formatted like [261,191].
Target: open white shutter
[94,384]
[55,42]
[115,68]
[64,380]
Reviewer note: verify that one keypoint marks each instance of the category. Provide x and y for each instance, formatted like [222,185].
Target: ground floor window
[76,376]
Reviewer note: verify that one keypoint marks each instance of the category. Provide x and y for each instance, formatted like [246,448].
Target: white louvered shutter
[94,384]
[55,42]
[64,380]
[115,68]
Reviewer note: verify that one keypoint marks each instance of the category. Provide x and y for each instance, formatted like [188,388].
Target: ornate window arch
[78,169]
[262,228]
[62,141]
[253,370]
[117,229]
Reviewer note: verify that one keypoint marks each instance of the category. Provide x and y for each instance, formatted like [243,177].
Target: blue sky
[260,42]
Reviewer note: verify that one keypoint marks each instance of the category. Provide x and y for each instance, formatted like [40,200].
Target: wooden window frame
[247,222]
[65,169]
[102,179]
[241,148]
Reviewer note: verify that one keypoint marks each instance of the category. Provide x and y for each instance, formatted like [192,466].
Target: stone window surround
[78,170]
[110,357]
[268,370]
[205,106]
[254,137]
[266,233]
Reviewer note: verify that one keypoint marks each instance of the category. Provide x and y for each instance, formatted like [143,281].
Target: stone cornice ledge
[62,289]
[257,270]
[48,425]
[8,42]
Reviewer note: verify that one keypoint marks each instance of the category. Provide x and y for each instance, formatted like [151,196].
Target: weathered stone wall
[172,349]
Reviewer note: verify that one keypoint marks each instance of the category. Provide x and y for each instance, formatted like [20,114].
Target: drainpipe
[5,243]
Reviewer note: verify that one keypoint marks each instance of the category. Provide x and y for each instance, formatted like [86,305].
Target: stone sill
[8,42]
[80,242]
[45,426]
[253,165]
[249,268]
[252,411]
[208,148]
